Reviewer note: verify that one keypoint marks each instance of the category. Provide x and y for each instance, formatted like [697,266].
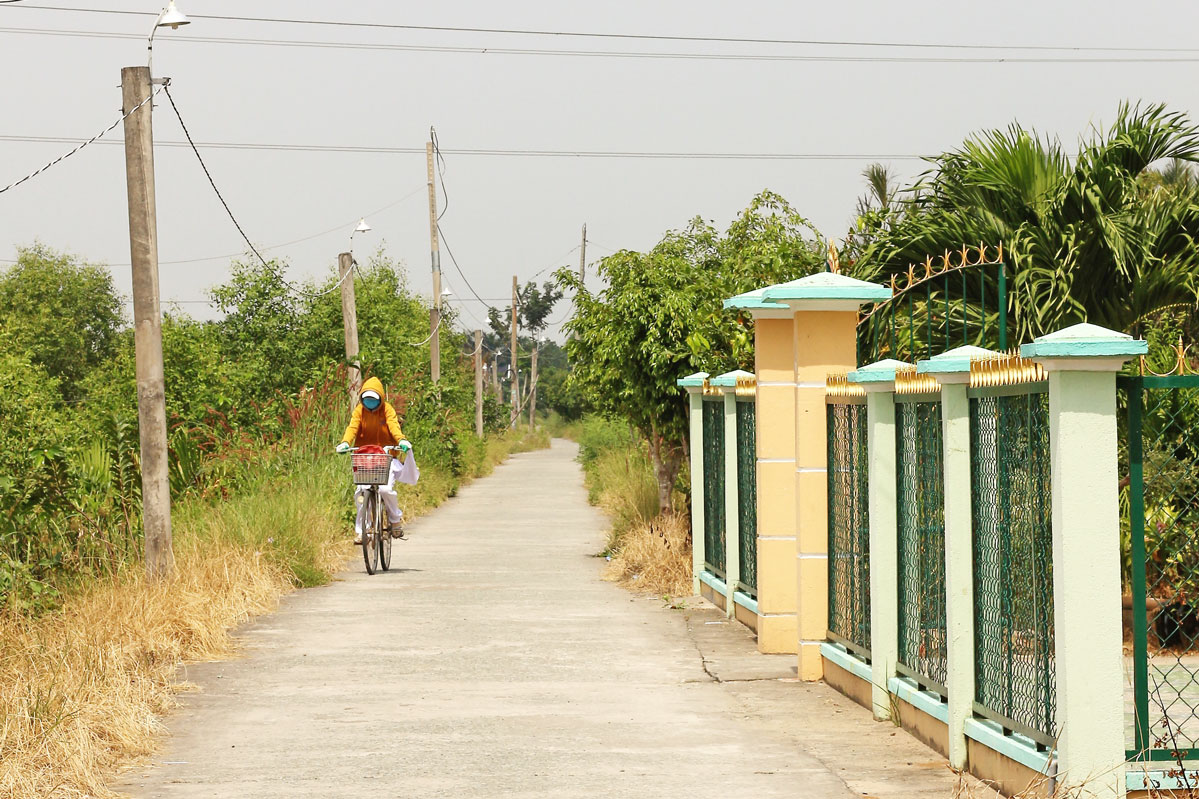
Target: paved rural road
[496,663]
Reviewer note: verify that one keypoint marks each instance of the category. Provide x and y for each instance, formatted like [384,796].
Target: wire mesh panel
[1013,562]
[848,528]
[714,485]
[747,495]
[1160,467]
[920,506]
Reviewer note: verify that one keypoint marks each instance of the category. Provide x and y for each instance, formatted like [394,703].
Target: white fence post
[952,371]
[694,384]
[878,379]
[1082,362]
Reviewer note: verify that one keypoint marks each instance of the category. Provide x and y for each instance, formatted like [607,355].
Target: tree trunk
[667,459]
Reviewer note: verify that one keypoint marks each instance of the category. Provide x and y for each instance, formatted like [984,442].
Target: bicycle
[370,468]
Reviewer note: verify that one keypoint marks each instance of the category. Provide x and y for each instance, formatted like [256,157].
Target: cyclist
[374,422]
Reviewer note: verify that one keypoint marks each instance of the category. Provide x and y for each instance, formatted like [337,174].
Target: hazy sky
[520,215]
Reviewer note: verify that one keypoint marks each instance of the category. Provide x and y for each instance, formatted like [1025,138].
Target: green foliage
[661,316]
[1086,239]
[618,474]
[63,312]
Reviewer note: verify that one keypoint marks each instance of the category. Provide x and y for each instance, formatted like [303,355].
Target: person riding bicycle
[374,422]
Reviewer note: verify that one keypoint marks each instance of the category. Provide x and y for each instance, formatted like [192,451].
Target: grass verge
[83,689]
[646,551]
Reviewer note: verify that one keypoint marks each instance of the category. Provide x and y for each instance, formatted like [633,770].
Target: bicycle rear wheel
[370,532]
[384,541]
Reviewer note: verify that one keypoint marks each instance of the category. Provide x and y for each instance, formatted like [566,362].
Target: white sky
[520,215]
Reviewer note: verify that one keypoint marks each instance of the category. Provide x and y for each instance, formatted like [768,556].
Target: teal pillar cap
[1085,341]
[954,361]
[878,372]
[729,379]
[827,286]
[753,301]
[692,381]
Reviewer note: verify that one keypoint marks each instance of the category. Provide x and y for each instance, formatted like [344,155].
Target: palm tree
[1085,242]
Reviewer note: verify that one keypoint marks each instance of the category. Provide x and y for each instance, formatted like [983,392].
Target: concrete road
[494,662]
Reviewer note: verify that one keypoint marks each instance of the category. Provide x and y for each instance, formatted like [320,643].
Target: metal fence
[1160,469]
[1015,683]
[920,505]
[848,527]
[747,496]
[713,421]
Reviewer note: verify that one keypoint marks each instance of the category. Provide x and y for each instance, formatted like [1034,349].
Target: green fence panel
[1160,507]
[747,495]
[714,559]
[848,528]
[920,506]
[1013,562]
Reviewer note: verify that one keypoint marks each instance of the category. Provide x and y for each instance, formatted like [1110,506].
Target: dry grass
[83,690]
[654,557]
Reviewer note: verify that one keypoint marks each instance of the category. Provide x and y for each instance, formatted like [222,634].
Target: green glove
[405,445]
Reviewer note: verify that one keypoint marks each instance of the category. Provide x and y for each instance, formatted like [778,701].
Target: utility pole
[435,311]
[583,256]
[147,322]
[479,383]
[349,321]
[533,385]
[515,370]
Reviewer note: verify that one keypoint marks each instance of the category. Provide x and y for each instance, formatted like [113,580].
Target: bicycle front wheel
[370,532]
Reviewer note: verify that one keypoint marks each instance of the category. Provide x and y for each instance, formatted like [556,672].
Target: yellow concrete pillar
[804,329]
[774,370]
[824,310]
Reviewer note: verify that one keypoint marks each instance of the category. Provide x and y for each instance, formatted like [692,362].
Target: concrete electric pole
[479,383]
[147,321]
[583,256]
[349,321]
[514,361]
[435,311]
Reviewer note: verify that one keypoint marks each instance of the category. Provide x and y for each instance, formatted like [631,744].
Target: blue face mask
[371,403]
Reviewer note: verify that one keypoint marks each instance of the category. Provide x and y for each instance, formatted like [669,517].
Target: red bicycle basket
[370,468]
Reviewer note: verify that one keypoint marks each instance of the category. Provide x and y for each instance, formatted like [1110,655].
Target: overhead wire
[266,265]
[649,55]
[633,36]
[68,154]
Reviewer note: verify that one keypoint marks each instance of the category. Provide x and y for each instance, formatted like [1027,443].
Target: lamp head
[362,226]
[172,17]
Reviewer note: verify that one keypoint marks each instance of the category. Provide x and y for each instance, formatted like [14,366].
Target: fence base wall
[743,614]
[929,731]
[851,685]
[1006,775]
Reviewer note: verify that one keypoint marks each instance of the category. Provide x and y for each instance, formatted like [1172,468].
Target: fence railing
[747,495]
[714,468]
[1013,558]
[920,501]
[848,519]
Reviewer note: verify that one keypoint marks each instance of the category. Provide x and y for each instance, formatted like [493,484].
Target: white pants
[386,493]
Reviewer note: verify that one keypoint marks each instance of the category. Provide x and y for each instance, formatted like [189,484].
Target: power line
[271,269]
[503,152]
[629,36]
[654,55]
[79,147]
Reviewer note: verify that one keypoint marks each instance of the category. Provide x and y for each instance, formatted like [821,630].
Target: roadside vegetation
[89,651]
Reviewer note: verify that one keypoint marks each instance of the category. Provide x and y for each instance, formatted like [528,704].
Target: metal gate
[1159,479]
[848,518]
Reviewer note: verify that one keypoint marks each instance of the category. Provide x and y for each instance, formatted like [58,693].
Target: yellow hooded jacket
[380,427]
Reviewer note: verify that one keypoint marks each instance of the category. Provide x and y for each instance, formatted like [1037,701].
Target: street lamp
[362,228]
[169,17]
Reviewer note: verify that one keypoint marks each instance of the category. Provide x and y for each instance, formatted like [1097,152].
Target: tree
[62,312]
[661,316]
[1084,240]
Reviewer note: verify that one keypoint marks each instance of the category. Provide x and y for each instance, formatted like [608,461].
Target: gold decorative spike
[834,262]
[909,381]
[837,387]
[1004,370]
[747,386]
